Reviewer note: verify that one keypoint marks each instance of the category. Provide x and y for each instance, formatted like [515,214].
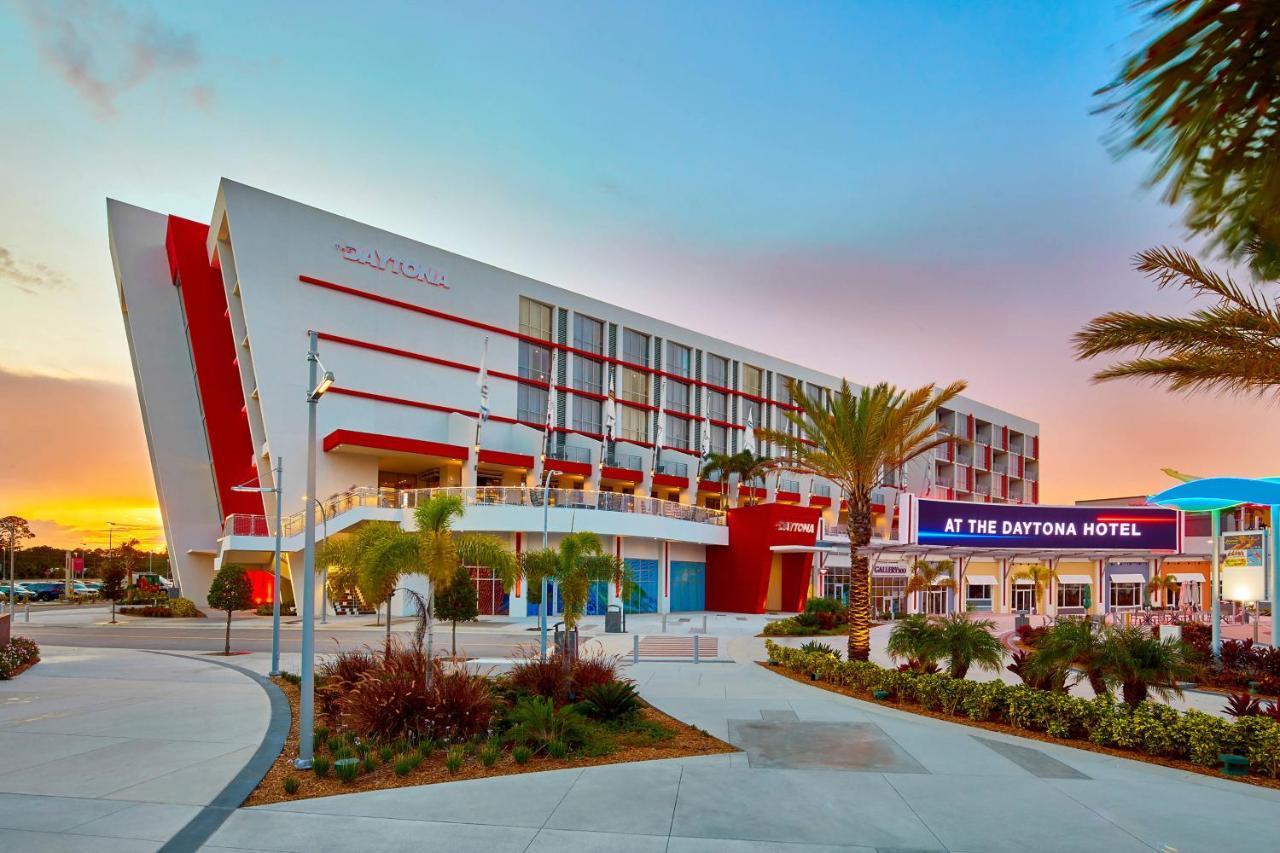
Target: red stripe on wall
[392,444]
[213,355]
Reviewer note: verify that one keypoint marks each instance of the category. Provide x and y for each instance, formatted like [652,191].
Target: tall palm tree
[1232,345]
[926,576]
[579,561]
[441,550]
[1202,95]
[853,439]
[382,554]
[1041,576]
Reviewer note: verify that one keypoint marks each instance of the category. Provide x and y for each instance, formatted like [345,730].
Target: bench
[1234,765]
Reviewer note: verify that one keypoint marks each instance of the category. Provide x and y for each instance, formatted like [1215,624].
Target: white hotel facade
[218,314]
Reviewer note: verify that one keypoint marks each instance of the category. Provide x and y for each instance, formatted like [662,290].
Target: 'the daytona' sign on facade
[967,525]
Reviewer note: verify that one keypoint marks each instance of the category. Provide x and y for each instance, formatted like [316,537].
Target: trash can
[615,622]
[566,641]
[1021,619]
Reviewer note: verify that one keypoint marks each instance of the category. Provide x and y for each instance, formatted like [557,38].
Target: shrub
[490,753]
[1243,705]
[336,676]
[320,734]
[819,648]
[153,611]
[521,754]
[593,669]
[919,640]
[385,753]
[404,765]
[453,759]
[369,764]
[392,700]
[1031,636]
[557,749]
[537,721]
[539,677]
[185,608]
[320,766]
[17,654]
[291,785]
[613,700]
[346,769]
[828,611]
[426,747]
[1036,673]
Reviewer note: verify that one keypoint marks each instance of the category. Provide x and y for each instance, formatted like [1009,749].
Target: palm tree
[1166,585]
[926,576]
[853,439]
[441,550]
[1072,642]
[1040,576]
[1201,95]
[967,642]
[1232,345]
[918,639]
[1139,663]
[382,553]
[751,468]
[719,466]
[579,561]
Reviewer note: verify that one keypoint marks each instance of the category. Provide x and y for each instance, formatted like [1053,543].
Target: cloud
[28,277]
[103,50]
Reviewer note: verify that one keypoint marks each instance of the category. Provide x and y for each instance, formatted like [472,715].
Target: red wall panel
[738,573]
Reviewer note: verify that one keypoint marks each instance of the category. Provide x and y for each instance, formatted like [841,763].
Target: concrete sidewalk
[116,750]
[819,772]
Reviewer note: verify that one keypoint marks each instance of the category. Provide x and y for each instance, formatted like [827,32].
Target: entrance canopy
[1218,493]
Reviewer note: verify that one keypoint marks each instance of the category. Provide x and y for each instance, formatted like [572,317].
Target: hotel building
[218,317]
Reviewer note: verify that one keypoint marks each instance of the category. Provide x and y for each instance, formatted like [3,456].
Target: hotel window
[635,347]
[753,381]
[635,424]
[535,362]
[1126,594]
[535,319]
[677,432]
[586,415]
[1071,595]
[635,386]
[978,596]
[588,375]
[679,359]
[531,404]
[719,439]
[588,334]
[677,397]
[717,370]
[717,405]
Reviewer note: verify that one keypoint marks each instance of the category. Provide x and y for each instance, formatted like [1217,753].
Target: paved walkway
[113,750]
[819,772]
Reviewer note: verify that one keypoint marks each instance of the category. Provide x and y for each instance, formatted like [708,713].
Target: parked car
[22,592]
[44,590]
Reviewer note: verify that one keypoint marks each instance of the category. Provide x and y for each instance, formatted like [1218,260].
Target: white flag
[483,381]
[751,431]
[660,438]
[611,410]
[551,403]
[706,437]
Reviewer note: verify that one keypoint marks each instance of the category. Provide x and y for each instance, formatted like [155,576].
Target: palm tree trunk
[226,649]
[453,640]
[388,647]
[431,637]
[859,578]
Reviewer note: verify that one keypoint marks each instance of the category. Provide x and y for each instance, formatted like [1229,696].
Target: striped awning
[979,580]
[1081,579]
[1128,579]
[1188,577]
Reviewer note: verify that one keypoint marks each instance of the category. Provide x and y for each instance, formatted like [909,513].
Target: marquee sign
[959,524]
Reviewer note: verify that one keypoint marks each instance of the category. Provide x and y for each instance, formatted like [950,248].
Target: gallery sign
[959,524]
[390,263]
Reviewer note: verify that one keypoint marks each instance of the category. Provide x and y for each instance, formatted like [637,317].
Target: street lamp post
[1215,582]
[278,490]
[542,602]
[324,574]
[306,702]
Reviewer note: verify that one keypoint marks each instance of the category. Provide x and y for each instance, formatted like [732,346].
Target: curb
[202,827]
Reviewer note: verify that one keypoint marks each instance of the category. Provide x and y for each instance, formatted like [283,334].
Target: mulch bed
[1005,728]
[685,741]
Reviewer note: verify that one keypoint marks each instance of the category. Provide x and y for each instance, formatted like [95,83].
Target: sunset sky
[925,178]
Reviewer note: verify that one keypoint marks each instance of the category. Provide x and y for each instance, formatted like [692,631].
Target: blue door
[644,595]
[688,586]
[597,600]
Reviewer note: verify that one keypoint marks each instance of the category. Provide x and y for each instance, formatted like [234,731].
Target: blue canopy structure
[1213,495]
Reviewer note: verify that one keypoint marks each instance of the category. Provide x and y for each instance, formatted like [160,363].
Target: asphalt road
[254,638]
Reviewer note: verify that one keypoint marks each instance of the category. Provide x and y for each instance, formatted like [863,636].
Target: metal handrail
[240,524]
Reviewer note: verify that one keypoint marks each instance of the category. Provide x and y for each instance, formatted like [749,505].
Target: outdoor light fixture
[277,490]
[326,382]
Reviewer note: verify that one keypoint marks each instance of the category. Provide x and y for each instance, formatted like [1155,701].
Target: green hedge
[1153,728]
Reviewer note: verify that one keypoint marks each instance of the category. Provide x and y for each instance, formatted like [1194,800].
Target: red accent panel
[670,480]
[392,444]
[213,352]
[710,486]
[580,469]
[738,573]
[612,473]
[262,583]
[758,492]
[787,496]
[500,457]
[819,500]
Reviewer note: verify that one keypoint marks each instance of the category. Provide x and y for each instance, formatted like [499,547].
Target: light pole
[110,527]
[306,702]
[278,490]
[324,581]
[1215,582]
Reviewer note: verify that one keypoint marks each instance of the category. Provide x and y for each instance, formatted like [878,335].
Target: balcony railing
[569,453]
[788,485]
[372,497]
[674,469]
[822,490]
[630,461]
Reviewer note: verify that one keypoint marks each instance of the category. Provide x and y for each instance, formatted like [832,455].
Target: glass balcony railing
[569,453]
[674,469]
[822,490]
[630,461]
